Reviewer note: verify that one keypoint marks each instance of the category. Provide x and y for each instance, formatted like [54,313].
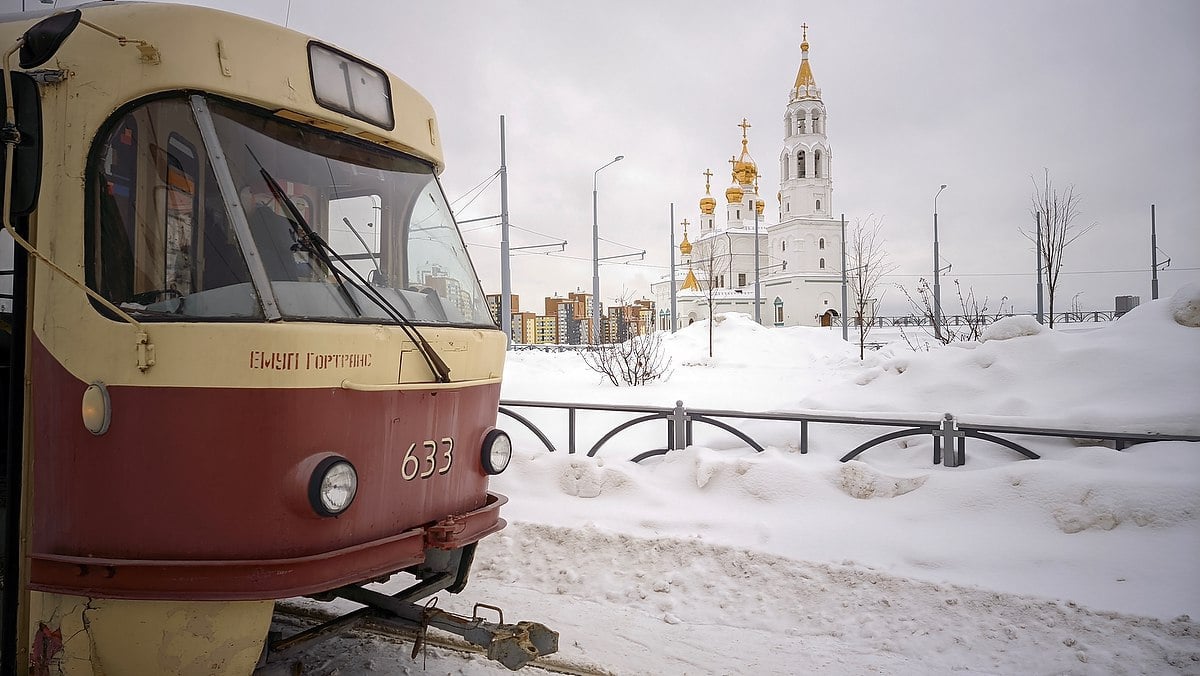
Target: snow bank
[1185,305]
[1013,327]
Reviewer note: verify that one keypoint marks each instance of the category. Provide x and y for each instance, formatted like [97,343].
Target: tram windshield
[293,222]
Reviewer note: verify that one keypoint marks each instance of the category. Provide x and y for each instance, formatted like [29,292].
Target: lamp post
[596,257]
[937,284]
[757,290]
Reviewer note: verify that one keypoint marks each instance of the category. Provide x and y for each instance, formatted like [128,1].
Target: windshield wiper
[374,260]
[439,368]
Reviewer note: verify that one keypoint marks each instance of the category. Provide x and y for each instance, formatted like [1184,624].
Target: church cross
[805,27]
[744,125]
[685,224]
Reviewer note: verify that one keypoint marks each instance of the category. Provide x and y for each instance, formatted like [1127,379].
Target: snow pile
[1013,327]
[716,559]
[1185,305]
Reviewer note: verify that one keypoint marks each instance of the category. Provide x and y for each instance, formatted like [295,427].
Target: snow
[719,560]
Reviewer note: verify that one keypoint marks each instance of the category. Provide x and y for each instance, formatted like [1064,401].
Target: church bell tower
[806,176]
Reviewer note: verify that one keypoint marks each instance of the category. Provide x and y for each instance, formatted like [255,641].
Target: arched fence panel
[949,433]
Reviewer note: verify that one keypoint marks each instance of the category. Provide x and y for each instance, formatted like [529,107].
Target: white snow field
[720,560]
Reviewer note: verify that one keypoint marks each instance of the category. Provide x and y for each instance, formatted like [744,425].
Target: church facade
[799,255]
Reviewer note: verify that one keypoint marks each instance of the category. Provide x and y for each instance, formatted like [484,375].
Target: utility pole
[937,271]
[1153,257]
[505,267]
[845,317]
[673,267]
[757,292]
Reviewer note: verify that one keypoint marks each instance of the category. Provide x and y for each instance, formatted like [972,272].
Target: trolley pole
[1153,257]
[505,263]
[673,323]
[845,317]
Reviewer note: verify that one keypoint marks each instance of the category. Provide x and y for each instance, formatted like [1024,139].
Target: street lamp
[596,257]
[937,285]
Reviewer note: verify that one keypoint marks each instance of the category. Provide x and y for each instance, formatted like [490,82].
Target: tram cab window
[159,233]
[329,228]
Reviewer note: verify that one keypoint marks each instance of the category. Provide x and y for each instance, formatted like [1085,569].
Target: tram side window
[116,186]
[159,237]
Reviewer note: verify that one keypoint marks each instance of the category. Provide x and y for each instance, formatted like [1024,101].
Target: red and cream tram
[248,356]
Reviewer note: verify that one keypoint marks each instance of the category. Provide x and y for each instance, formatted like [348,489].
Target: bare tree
[967,326]
[633,362]
[714,263]
[868,264]
[1058,211]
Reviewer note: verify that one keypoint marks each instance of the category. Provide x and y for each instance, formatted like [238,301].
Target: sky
[718,560]
[984,97]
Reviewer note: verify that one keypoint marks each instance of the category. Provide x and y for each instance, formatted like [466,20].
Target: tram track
[301,615]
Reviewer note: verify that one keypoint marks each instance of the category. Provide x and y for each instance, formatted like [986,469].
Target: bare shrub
[636,361]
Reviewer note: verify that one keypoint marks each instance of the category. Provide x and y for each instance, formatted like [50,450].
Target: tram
[246,356]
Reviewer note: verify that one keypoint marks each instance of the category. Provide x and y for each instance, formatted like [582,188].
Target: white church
[799,256]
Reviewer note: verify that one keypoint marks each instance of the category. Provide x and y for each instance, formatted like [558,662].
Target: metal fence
[900,321]
[680,421]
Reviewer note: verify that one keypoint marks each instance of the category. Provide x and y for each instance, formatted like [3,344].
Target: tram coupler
[512,645]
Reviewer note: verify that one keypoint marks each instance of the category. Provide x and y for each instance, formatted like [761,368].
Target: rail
[947,430]
[899,321]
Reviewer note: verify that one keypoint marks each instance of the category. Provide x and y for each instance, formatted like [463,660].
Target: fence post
[803,437]
[570,431]
[677,434]
[955,443]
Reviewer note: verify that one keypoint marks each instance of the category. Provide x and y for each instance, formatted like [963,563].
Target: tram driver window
[158,233]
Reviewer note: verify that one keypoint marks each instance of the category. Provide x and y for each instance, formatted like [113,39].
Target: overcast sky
[982,96]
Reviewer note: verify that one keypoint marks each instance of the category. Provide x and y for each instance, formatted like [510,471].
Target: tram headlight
[97,408]
[497,451]
[333,486]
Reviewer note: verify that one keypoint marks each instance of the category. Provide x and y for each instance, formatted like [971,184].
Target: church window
[783,244]
[778,311]
[818,205]
[741,279]
[821,264]
[739,214]
[785,167]
[800,124]
[816,164]
[800,165]
[820,242]
[816,115]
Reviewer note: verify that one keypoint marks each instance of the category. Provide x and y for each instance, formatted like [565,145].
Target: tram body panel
[193,476]
[99,637]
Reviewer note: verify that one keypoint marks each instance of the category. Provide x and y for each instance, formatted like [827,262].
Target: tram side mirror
[44,38]
[27,153]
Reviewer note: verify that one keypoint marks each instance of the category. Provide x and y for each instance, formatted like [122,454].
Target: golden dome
[734,194]
[745,171]
[759,205]
[804,78]
[707,203]
[685,247]
[690,282]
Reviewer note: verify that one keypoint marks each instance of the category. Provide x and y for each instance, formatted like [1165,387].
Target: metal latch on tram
[145,351]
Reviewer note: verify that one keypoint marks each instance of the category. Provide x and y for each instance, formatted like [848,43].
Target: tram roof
[209,50]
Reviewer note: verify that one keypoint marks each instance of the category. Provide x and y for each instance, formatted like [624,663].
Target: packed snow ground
[719,560]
